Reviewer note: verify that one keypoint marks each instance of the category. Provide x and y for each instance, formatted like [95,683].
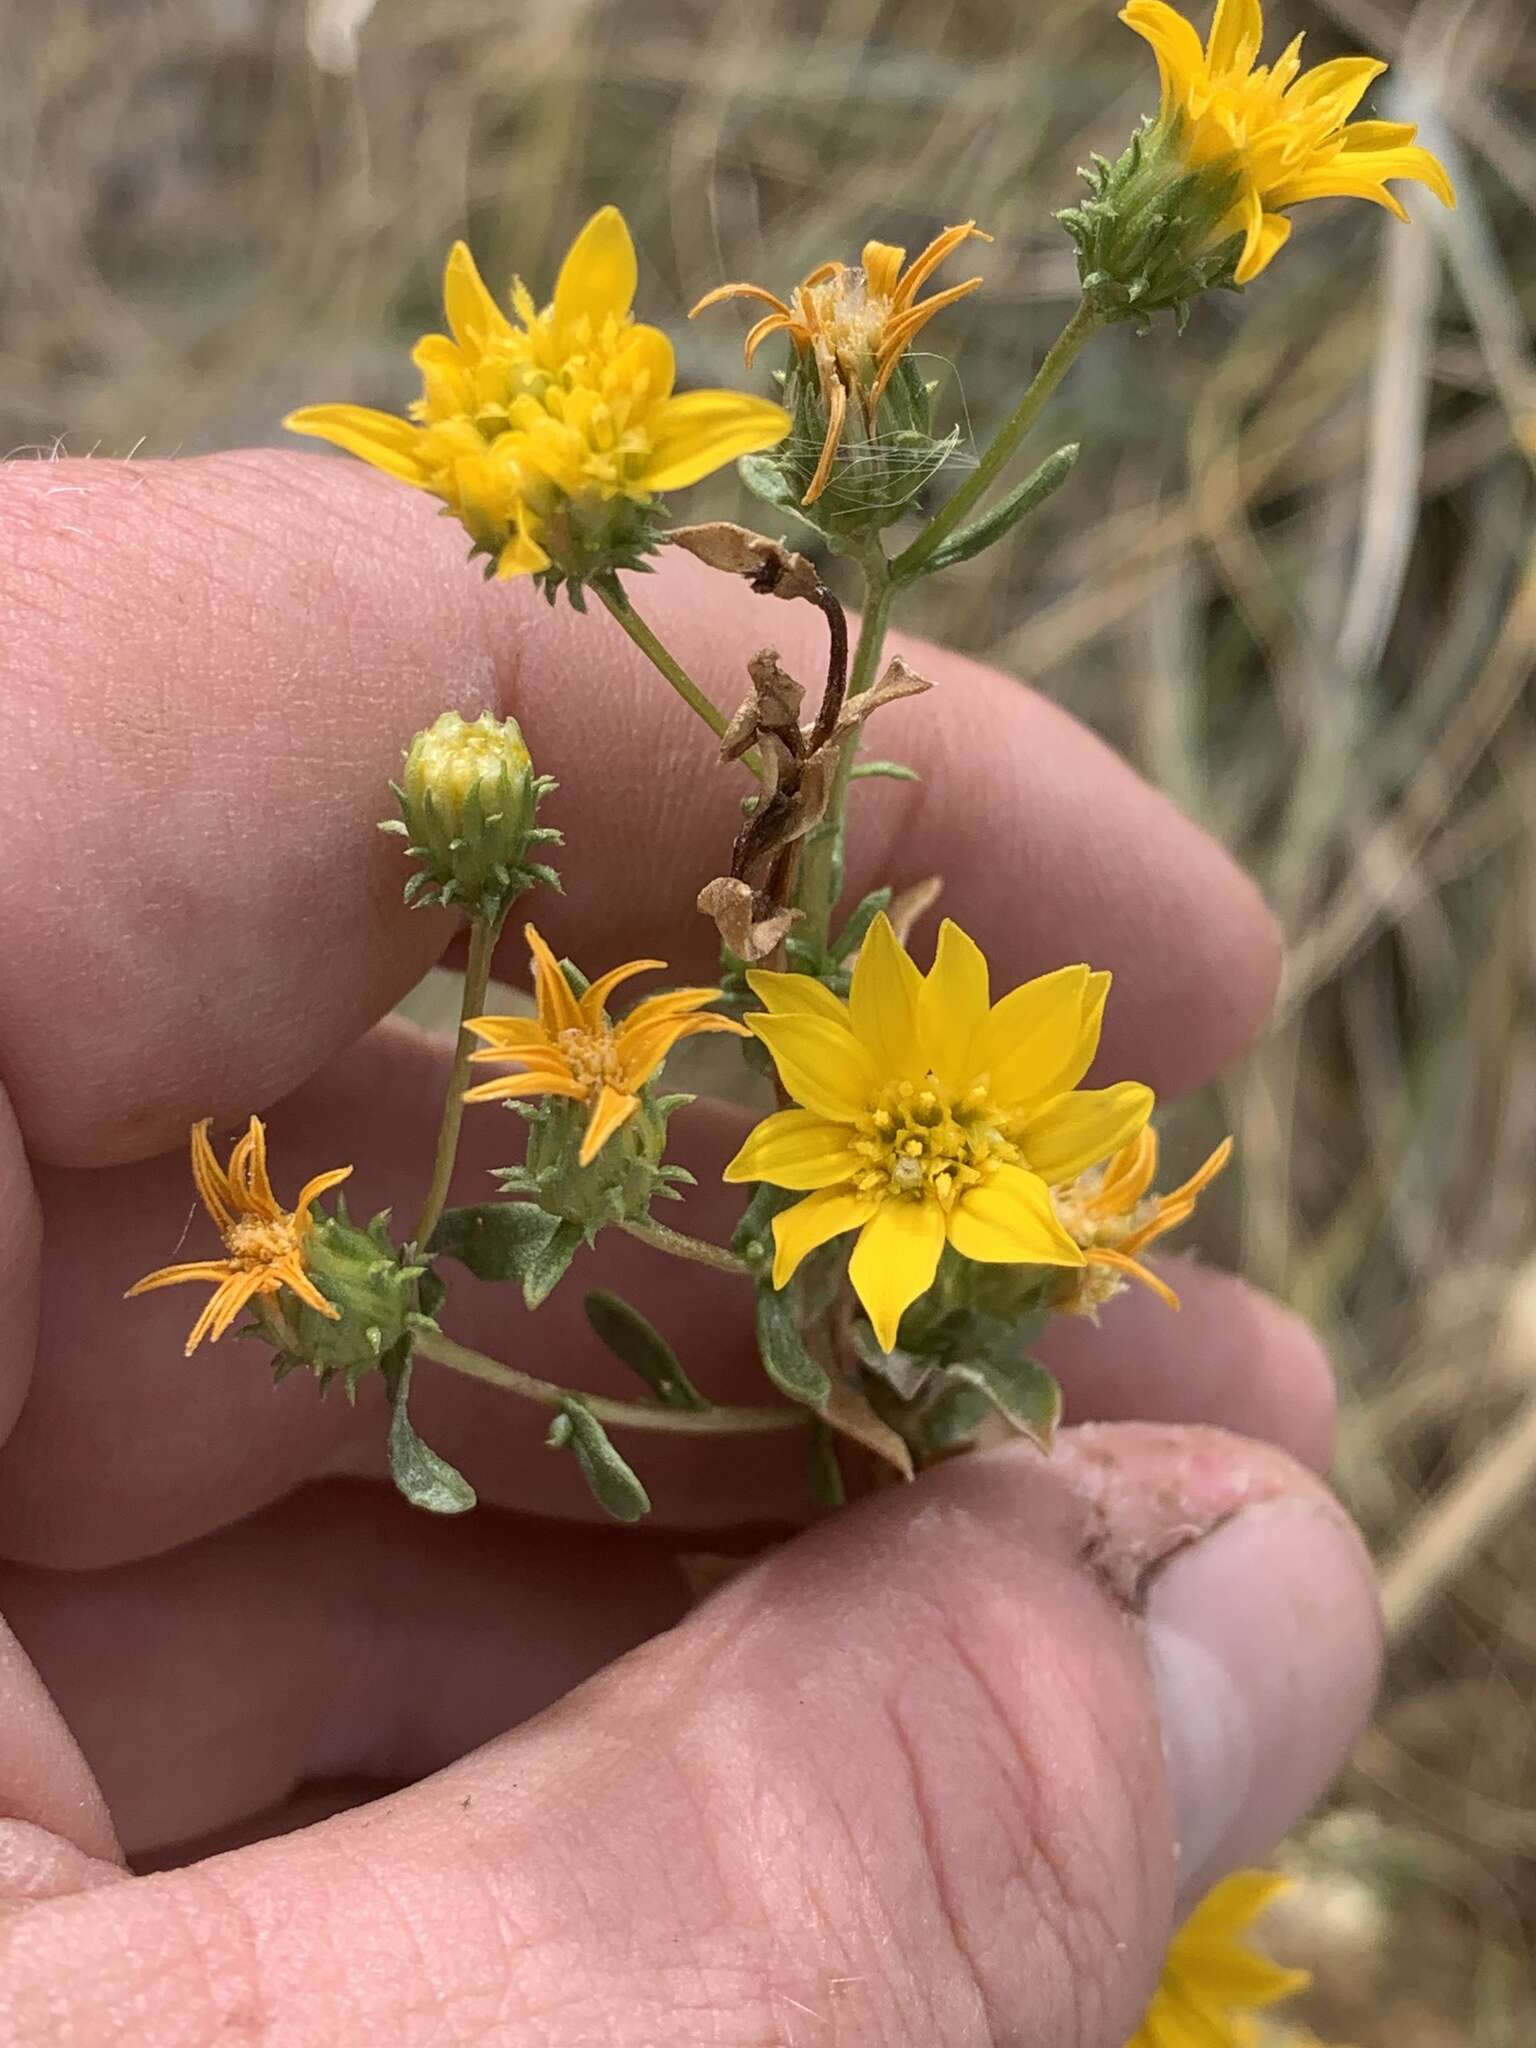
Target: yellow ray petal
[595,999]
[319,1185]
[510,1085]
[797,995]
[925,264]
[722,292]
[642,1052]
[883,1003]
[379,438]
[881,263]
[1076,1131]
[210,1179]
[895,1260]
[700,431]
[752,341]
[823,1066]
[1035,1035]
[672,1002]
[1174,41]
[1237,33]
[216,1271]
[954,1005]
[1342,83]
[599,274]
[815,1221]
[473,314]
[796,1149]
[612,1109]
[248,1173]
[557,1005]
[1008,1220]
[507,1034]
[837,413]
[1274,233]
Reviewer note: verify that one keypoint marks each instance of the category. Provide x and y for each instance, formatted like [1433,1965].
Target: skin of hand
[939,1771]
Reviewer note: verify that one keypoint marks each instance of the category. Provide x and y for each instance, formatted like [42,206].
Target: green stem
[613,595]
[1059,359]
[727,1421]
[477,974]
[822,862]
[682,1246]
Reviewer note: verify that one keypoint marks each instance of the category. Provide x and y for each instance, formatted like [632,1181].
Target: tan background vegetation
[1291,579]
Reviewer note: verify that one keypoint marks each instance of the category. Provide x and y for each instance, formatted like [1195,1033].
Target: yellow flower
[1286,134]
[570,1049]
[931,1115]
[1111,1214]
[266,1243]
[1212,1981]
[853,325]
[530,430]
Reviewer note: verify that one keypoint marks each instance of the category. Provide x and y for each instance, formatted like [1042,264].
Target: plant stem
[822,861]
[682,1246]
[1058,360]
[477,975]
[614,596]
[725,1421]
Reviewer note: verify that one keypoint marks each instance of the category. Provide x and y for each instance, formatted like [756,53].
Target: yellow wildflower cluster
[1283,133]
[528,429]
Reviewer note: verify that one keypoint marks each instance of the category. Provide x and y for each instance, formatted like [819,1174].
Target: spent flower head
[549,434]
[1213,1981]
[570,1048]
[851,326]
[267,1245]
[930,1115]
[1114,1215]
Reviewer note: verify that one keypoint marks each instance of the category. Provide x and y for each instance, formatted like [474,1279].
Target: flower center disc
[592,1056]
[920,1141]
[254,1241]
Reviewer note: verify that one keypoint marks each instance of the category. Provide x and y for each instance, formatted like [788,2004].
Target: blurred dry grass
[1292,579]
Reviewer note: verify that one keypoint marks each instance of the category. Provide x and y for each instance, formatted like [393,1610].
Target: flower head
[851,326]
[266,1243]
[1212,1981]
[570,1048]
[1284,135]
[1112,1213]
[541,433]
[931,1115]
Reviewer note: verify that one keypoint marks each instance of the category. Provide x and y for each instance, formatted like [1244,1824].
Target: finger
[220,660]
[340,1635]
[21,1240]
[115,1406]
[902,1781]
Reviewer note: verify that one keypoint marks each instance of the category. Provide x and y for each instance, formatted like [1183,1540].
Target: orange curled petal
[837,412]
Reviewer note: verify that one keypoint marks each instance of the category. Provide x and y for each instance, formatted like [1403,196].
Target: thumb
[902,1782]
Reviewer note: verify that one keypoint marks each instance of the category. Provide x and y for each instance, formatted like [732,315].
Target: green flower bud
[468,804]
[1150,234]
[619,1184]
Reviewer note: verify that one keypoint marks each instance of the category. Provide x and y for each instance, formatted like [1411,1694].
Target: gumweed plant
[938,1177]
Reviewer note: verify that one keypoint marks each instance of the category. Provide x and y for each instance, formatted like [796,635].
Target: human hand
[903,1779]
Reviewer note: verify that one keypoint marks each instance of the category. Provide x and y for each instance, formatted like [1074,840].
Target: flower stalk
[483,934]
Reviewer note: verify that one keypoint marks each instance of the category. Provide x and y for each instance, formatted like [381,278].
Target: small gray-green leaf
[614,1486]
[643,1349]
[893,771]
[856,930]
[545,1269]
[426,1480]
[785,1359]
[495,1240]
[1022,1392]
[1006,514]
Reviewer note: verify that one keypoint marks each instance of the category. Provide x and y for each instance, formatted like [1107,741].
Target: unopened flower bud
[468,805]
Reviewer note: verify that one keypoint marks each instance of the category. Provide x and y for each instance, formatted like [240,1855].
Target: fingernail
[1264,1641]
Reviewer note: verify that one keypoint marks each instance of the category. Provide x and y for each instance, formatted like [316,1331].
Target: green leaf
[766,480]
[545,1269]
[893,771]
[614,1485]
[785,1359]
[643,1349]
[426,1480]
[1022,1392]
[856,930]
[1007,513]
[495,1240]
